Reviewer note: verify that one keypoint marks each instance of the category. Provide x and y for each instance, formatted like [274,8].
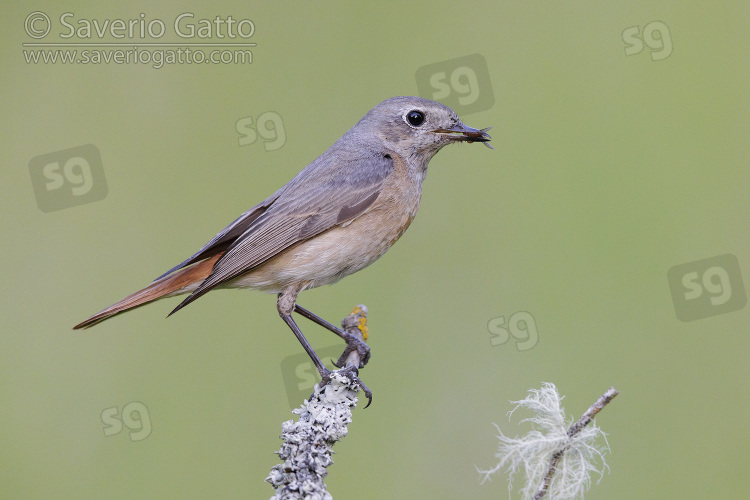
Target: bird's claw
[351,373]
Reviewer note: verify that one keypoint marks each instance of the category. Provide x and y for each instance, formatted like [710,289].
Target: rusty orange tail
[162,287]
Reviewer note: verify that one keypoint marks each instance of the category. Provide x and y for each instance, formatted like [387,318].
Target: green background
[608,171]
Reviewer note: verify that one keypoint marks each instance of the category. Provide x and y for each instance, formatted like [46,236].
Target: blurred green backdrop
[621,144]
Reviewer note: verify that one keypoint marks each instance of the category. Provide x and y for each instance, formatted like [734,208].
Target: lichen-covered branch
[323,421]
[557,455]
[585,419]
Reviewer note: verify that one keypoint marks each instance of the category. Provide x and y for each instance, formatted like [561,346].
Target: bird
[337,216]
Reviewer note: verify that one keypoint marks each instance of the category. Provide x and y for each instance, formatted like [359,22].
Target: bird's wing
[304,208]
[226,236]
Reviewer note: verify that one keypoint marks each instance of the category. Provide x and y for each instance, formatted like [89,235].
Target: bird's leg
[325,373]
[285,306]
[352,342]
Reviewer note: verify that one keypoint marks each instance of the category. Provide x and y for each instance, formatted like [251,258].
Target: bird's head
[417,127]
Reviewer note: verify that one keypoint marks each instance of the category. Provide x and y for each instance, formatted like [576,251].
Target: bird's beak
[466,134]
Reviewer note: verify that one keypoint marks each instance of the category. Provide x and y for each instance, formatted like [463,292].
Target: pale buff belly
[337,252]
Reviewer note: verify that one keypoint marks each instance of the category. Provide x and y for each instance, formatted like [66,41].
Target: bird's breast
[346,248]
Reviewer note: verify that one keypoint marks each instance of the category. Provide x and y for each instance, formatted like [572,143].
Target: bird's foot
[355,333]
[350,372]
[354,344]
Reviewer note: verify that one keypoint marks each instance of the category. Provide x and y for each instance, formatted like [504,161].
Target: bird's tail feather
[182,281]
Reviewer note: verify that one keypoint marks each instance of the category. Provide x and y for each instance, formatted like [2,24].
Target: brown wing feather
[226,236]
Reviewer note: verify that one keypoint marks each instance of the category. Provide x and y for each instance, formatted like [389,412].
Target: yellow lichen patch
[362,322]
[363,328]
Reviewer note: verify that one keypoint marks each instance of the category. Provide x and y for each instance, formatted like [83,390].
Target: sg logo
[521,326]
[270,128]
[462,84]
[300,375]
[134,416]
[67,178]
[707,287]
[661,46]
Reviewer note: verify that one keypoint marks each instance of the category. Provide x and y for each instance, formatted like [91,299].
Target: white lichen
[308,442]
[579,454]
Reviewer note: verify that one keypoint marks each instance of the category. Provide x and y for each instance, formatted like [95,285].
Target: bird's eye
[415,118]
